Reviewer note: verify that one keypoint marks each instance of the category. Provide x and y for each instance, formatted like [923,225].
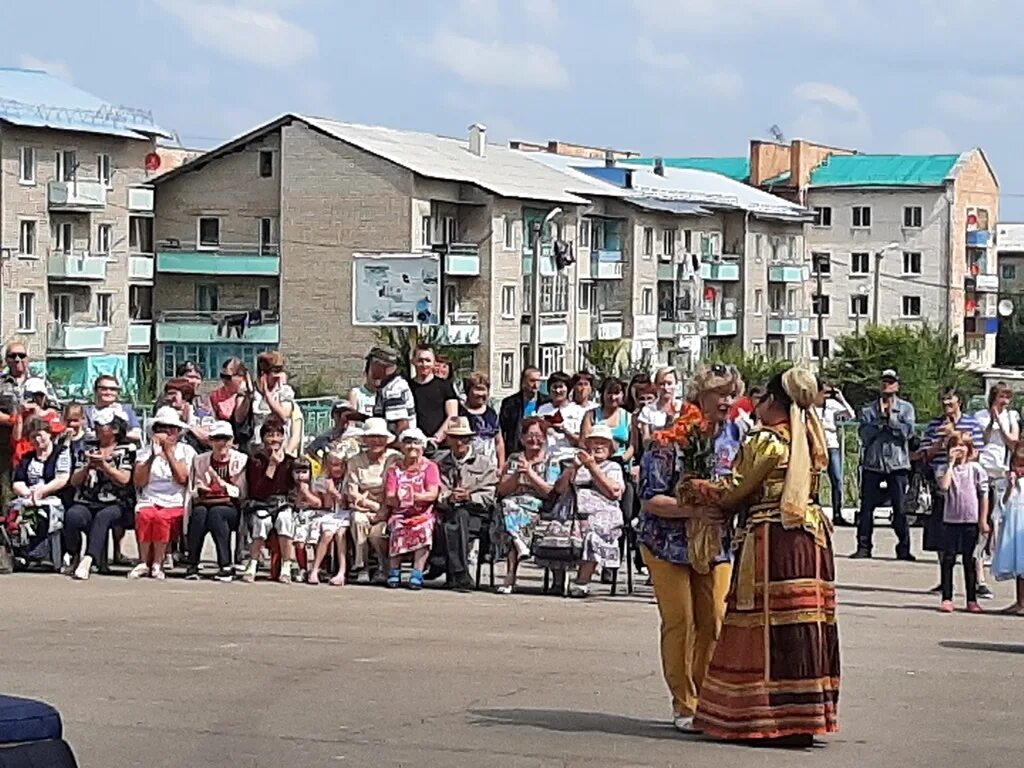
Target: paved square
[207,674]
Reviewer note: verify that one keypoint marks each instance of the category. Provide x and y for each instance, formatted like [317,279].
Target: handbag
[560,539]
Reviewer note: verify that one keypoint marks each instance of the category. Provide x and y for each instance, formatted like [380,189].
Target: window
[27,165]
[447,230]
[822,216]
[668,242]
[26,312]
[584,238]
[820,348]
[508,370]
[688,240]
[911,263]
[821,304]
[67,165]
[911,306]
[647,301]
[587,297]
[104,236]
[582,355]
[209,232]
[27,238]
[450,299]
[61,304]
[597,232]
[821,262]
[207,297]
[426,228]
[858,306]
[860,263]
[263,298]
[912,216]
[510,233]
[65,237]
[552,359]
[554,293]
[140,302]
[758,301]
[648,241]
[508,301]
[791,350]
[266,163]
[104,308]
[140,234]
[267,244]
[1009,271]
[862,216]
[104,170]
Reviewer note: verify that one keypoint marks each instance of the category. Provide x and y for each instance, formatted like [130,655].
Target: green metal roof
[737,168]
[884,171]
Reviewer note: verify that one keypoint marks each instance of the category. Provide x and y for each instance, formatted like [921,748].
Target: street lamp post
[878,279]
[538,237]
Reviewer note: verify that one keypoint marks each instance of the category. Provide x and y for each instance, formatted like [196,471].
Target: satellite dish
[152,161]
[1005,308]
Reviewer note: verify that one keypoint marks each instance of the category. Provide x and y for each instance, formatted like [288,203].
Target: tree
[610,359]
[927,360]
[404,339]
[756,369]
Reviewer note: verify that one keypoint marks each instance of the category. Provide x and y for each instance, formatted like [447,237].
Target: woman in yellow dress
[775,671]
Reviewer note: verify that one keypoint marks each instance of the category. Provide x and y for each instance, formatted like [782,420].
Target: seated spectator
[162,477]
[106,393]
[219,489]
[104,497]
[564,417]
[307,509]
[35,405]
[483,419]
[332,527]
[232,401]
[179,394]
[74,435]
[411,487]
[343,415]
[364,493]
[528,480]
[592,485]
[37,481]
[271,481]
[464,507]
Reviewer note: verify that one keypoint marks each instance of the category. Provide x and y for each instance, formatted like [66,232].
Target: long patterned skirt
[775,671]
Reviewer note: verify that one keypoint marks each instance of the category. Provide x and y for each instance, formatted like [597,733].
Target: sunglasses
[226,377]
[277,369]
[17,355]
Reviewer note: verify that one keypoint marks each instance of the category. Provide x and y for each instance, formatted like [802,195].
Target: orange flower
[680,433]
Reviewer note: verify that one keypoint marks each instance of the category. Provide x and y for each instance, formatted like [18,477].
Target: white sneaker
[82,572]
[158,573]
[140,571]
[580,590]
[684,724]
[169,562]
[505,589]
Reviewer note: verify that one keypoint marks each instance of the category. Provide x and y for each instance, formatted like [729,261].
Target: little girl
[1008,552]
[333,525]
[306,508]
[966,486]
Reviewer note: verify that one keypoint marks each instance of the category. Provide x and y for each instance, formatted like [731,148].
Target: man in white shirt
[832,406]
[564,417]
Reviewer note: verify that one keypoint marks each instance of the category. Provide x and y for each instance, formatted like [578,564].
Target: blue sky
[670,77]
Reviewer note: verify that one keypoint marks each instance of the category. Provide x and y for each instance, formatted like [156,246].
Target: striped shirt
[938,432]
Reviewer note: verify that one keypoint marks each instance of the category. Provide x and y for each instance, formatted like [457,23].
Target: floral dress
[412,524]
[520,510]
[600,517]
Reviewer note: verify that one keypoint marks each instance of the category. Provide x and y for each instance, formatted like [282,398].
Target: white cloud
[252,31]
[477,15]
[829,113]
[926,140]
[827,93]
[542,12]
[735,16]
[527,66]
[56,67]
[983,99]
[724,84]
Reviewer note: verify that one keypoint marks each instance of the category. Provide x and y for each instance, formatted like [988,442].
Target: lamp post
[863,291]
[878,278]
[538,237]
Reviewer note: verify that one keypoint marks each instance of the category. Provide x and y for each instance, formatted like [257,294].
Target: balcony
[609,326]
[197,327]
[225,259]
[984,283]
[461,329]
[670,329]
[721,272]
[786,274]
[67,338]
[460,259]
[667,272]
[980,326]
[553,330]
[723,326]
[77,265]
[979,238]
[76,196]
[140,334]
[787,323]
[140,267]
[606,265]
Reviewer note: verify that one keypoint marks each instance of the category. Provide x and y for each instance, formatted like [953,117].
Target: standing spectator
[483,420]
[631,399]
[742,413]
[832,406]
[965,512]
[522,405]
[106,394]
[273,396]
[582,386]
[232,401]
[35,405]
[663,410]
[435,398]
[464,507]
[12,389]
[1008,552]
[270,482]
[17,371]
[363,397]
[886,426]
[411,487]
[564,417]
[394,401]
[162,478]
[1000,426]
[612,413]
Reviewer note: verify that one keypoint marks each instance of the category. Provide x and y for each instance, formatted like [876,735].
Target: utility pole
[537,232]
[817,258]
[878,283]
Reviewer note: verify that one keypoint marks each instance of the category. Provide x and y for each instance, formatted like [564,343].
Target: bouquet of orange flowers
[694,442]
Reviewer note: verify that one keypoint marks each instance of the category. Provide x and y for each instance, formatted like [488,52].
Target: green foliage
[611,358]
[928,360]
[755,369]
[1009,346]
[319,384]
[404,339]
[146,383]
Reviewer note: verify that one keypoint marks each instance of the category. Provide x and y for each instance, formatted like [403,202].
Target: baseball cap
[383,354]
[35,386]
[890,373]
[221,429]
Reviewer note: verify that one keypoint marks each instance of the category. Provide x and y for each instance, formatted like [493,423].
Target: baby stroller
[32,532]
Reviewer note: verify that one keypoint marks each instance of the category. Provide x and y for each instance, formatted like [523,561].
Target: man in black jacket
[515,408]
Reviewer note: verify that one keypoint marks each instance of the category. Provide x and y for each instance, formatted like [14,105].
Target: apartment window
[267,244]
[450,299]
[791,350]
[582,355]
[758,347]
[140,234]
[508,301]
[209,232]
[820,348]
[510,233]
[821,262]
[554,293]
[587,297]
[822,216]
[668,242]
[911,263]
[860,263]
[104,237]
[688,240]
[911,306]
[263,298]
[61,305]
[65,237]
[912,216]
[67,165]
[207,297]
[104,308]
[647,301]
[27,238]
[584,237]
[426,232]
[821,304]
[27,165]
[597,238]
[508,370]
[1009,271]
[858,306]
[758,301]
[104,170]
[266,163]
[648,241]
[140,302]
[862,216]
[552,359]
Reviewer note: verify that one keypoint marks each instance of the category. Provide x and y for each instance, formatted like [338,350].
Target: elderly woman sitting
[364,493]
[411,487]
[37,511]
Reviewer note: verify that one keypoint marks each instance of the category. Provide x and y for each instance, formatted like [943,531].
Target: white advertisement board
[396,289]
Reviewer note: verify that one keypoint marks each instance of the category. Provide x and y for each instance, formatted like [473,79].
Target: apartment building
[1009,244]
[900,239]
[308,235]
[76,227]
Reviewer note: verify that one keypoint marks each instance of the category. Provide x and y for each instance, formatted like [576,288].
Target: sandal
[416,579]
[394,578]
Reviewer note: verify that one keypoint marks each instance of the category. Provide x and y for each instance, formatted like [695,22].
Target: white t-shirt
[163,490]
[654,417]
[828,413]
[261,411]
[572,420]
[993,456]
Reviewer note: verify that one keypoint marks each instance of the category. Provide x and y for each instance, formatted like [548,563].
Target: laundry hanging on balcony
[239,323]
